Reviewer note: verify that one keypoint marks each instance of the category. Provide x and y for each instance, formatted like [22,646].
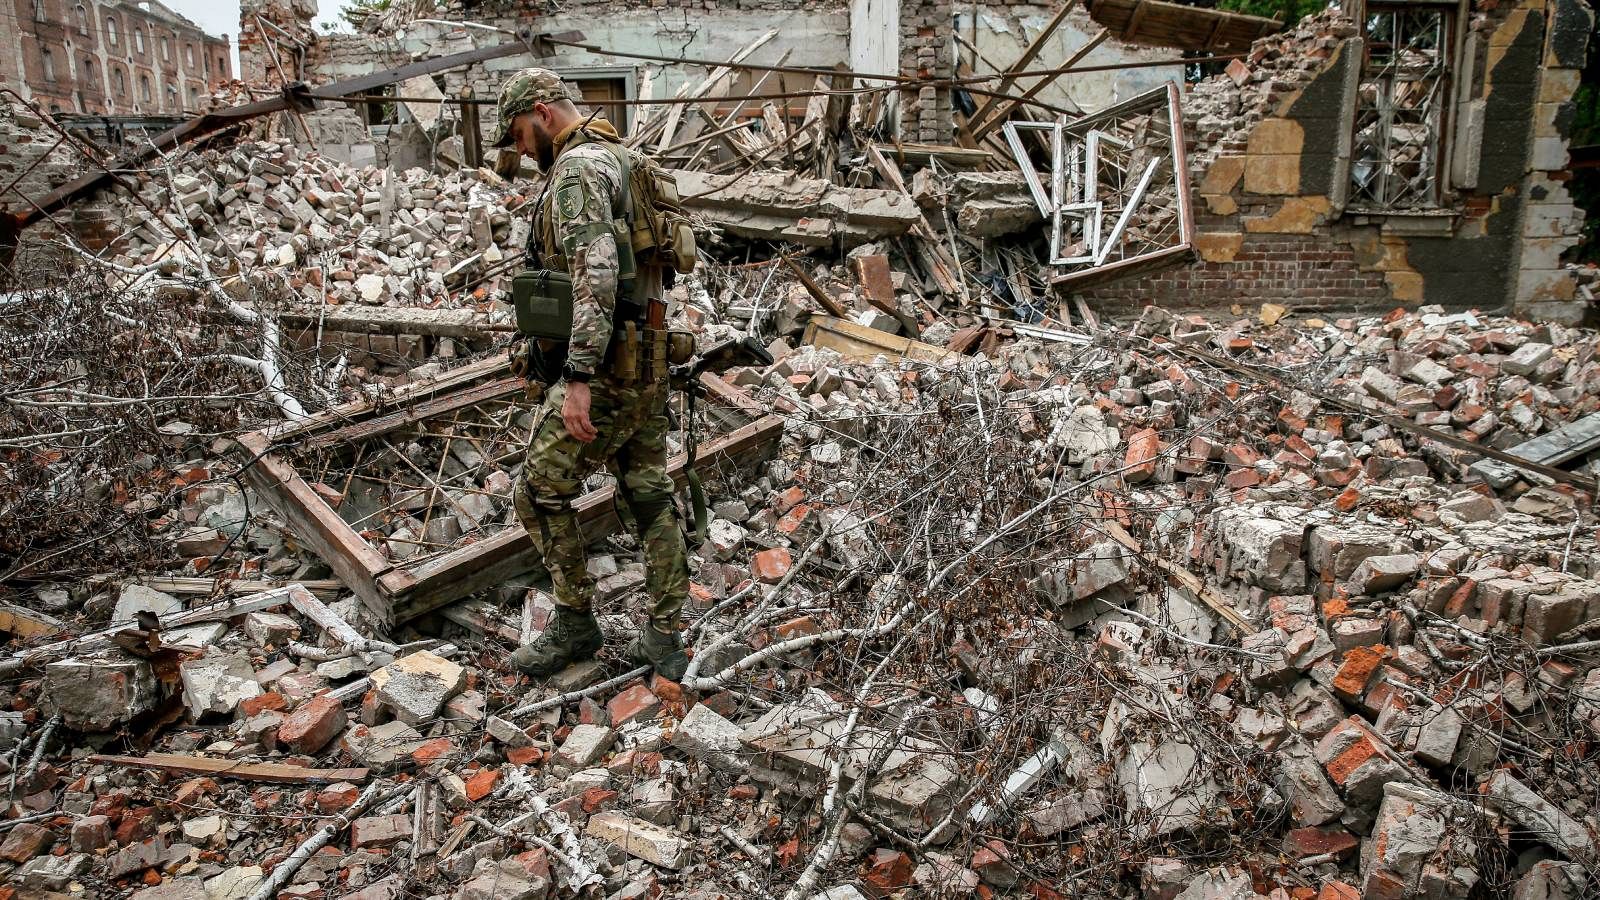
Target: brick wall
[1311,271]
[67,56]
[1270,147]
[925,40]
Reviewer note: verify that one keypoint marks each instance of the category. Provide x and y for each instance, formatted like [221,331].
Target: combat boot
[660,650]
[574,636]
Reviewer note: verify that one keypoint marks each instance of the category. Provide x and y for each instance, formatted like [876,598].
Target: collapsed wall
[1285,196]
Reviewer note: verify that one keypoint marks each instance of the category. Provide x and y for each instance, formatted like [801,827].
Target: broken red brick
[481,784]
[633,703]
[524,756]
[788,500]
[1357,669]
[433,750]
[25,841]
[262,702]
[596,799]
[312,725]
[591,712]
[1139,462]
[769,566]
[337,797]
[887,871]
[1303,842]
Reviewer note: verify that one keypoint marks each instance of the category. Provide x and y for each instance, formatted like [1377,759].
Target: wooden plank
[984,126]
[183,585]
[361,319]
[482,618]
[859,343]
[715,85]
[1139,9]
[427,409]
[942,267]
[330,622]
[315,524]
[921,154]
[27,624]
[509,552]
[271,773]
[347,412]
[816,292]
[1567,442]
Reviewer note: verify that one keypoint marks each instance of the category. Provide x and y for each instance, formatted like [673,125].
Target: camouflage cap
[518,95]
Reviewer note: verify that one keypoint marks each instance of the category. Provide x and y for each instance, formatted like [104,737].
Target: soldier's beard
[544,148]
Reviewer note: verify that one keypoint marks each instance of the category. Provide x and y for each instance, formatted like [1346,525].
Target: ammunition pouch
[543,302]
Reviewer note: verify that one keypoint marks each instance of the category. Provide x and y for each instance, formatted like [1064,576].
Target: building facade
[110,57]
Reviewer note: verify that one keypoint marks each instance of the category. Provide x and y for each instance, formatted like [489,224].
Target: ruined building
[1301,182]
[112,58]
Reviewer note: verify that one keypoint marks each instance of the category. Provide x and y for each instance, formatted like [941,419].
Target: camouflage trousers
[631,421]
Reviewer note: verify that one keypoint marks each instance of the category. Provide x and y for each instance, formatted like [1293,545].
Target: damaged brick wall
[23,141]
[925,51]
[1271,169]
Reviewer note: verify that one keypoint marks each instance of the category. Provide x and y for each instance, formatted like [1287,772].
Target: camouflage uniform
[581,200]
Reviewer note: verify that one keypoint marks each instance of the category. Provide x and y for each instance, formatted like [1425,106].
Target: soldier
[606,408]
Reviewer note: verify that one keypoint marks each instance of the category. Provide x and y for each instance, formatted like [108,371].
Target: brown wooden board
[509,552]
[1162,24]
[272,773]
[398,590]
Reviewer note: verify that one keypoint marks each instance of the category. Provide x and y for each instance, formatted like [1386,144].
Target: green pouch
[543,300]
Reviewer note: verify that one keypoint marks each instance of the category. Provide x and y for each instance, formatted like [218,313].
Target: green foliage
[1286,11]
[355,12]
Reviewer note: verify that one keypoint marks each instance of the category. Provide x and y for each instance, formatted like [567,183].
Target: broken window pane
[1400,105]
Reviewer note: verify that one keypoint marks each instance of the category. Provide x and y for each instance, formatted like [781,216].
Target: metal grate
[1400,103]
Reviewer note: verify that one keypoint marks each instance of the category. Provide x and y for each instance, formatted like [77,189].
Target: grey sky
[222,17]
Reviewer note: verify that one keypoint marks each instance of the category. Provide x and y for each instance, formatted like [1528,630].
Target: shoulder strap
[620,154]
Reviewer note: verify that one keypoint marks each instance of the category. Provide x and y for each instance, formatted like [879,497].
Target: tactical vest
[551,255]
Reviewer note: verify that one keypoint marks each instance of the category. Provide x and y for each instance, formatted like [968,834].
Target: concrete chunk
[636,837]
[585,745]
[1518,802]
[417,686]
[217,683]
[710,738]
[98,694]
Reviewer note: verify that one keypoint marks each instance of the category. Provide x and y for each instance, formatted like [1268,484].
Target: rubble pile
[338,234]
[1098,614]
[1220,111]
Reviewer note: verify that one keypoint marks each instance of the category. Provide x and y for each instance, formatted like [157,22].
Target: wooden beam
[509,552]
[271,773]
[942,266]
[862,344]
[1021,65]
[816,292]
[1182,576]
[361,319]
[984,127]
[1135,19]
[315,524]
